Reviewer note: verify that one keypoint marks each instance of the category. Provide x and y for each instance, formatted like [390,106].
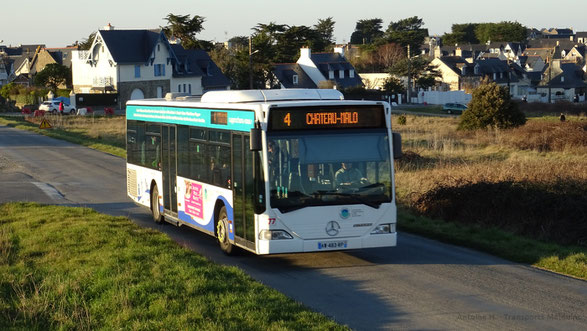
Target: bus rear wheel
[155,205]
[222,232]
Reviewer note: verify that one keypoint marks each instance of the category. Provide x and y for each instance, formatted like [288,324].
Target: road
[420,284]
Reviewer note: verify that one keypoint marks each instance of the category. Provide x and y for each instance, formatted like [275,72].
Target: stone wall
[149,89]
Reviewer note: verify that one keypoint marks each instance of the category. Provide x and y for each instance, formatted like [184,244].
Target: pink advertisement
[193,200]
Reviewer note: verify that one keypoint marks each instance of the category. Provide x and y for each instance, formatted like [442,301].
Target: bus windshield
[317,168]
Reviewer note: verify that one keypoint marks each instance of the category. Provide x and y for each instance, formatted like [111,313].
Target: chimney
[305,52]
[339,50]
[109,27]
[458,52]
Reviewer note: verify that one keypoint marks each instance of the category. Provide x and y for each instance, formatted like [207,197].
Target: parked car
[52,106]
[456,108]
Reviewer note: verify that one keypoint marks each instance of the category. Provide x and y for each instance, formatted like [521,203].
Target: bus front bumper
[327,244]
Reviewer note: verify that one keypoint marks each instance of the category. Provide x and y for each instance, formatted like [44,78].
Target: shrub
[545,136]
[547,211]
[402,120]
[491,106]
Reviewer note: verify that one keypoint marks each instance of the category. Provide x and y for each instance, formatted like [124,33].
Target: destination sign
[332,117]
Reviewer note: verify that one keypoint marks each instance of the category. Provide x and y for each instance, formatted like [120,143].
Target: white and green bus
[270,171]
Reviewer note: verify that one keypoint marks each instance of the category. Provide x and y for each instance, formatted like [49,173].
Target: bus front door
[169,166]
[243,191]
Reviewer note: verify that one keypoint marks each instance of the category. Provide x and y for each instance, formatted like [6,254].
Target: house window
[158,47]
[295,79]
[190,89]
[159,70]
[494,76]
[476,70]
[341,74]
[184,88]
[330,74]
[178,87]
[351,73]
[137,71]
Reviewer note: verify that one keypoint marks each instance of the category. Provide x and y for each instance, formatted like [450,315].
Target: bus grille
[131,183]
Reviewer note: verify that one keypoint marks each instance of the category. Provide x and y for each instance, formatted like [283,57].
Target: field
[530,181]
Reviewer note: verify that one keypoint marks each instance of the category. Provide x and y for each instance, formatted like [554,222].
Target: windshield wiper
[288,209]
[356,196]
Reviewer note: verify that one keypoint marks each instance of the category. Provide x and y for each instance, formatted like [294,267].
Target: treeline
[475,33]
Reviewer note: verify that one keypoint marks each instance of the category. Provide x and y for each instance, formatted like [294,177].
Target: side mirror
[397,145]
[256,144]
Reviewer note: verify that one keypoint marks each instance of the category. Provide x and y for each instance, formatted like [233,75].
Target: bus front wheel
[222,232]
[155,205]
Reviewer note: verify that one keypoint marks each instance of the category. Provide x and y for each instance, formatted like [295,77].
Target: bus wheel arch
[221,228]
[155,203]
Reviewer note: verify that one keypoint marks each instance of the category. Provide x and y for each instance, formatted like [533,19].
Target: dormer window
[341,73]
[330,74]
[295,79]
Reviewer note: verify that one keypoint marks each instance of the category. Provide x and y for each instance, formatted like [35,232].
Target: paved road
[421,284]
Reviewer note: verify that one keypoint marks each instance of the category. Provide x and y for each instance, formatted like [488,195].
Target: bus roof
[247,96]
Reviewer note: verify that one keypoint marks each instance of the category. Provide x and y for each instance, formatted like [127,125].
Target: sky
[61,23]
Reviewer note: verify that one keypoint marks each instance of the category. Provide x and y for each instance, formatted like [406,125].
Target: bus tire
[222,232]
[155,205]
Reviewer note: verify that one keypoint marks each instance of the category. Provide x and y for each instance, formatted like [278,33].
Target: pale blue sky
[58,23]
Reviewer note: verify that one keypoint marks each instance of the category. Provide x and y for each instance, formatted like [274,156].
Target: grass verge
[73,268]
[569,260]
[80,137]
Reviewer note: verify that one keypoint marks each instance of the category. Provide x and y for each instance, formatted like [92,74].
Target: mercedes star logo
[332,228]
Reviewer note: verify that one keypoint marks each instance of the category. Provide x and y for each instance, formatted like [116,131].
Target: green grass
[73,268]
[569,260]
[110,146]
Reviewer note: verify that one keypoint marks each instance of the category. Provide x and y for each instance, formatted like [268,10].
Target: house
[21,59]
[581,37]
[554,33]
[562,81]
[458,74]
[319,68]
[291,75]
[452,70]
[575,55]
[531,63]
[3,72]
[137,64]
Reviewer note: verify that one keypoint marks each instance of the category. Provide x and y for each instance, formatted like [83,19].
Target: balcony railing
[103,81]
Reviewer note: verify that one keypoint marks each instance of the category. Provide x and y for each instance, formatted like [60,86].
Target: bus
[269,171]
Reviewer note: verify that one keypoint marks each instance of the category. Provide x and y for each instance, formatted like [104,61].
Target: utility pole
[250,63]
[409,94]
[549,78]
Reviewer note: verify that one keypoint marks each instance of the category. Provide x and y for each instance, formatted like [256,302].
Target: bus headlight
[384,228]
[274,235]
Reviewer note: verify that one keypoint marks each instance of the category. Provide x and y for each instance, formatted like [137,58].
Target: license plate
[332,245]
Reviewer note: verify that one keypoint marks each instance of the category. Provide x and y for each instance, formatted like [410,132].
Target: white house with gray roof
[139,64]
[313,68]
